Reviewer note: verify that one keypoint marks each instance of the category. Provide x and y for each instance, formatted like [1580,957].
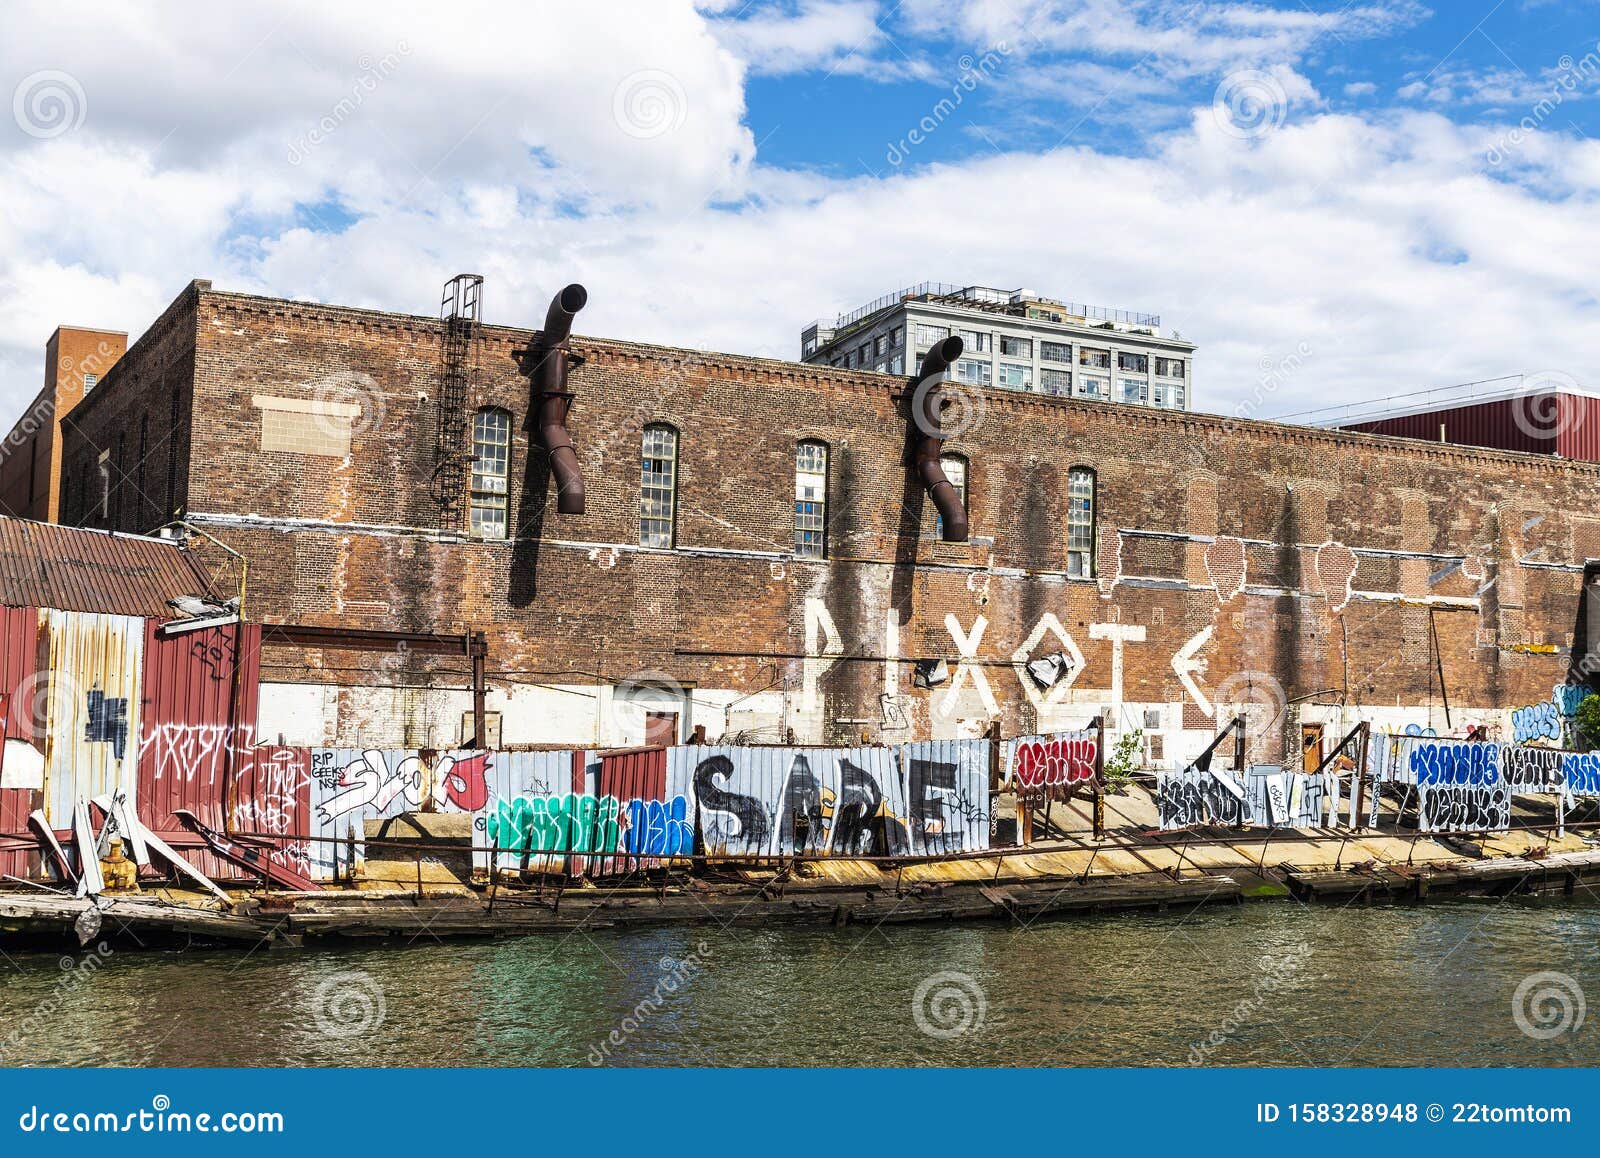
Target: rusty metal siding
[193,718]
[92,713]
[272,799]
[72,569]
[21,789]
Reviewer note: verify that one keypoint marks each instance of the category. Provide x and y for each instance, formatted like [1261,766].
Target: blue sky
[1475,62]
[1336,202]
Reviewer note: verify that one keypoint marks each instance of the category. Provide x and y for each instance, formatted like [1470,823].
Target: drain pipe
[546,362]
[927,434]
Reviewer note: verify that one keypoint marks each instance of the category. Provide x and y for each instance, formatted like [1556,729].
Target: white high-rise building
[1014,340]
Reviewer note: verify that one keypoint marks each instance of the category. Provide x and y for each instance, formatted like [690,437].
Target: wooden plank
[90,880]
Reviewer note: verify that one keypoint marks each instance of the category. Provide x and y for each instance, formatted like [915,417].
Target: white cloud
[1360,88]
[1386,244]
[831,35]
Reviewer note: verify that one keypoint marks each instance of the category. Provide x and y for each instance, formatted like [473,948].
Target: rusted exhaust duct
[927,434]
[546,362]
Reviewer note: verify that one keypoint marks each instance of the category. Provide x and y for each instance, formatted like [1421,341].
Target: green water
[1412,986]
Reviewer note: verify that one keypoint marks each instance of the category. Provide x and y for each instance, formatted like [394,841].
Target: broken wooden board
[91,882]
[47,837]
[167,853]
[254,860]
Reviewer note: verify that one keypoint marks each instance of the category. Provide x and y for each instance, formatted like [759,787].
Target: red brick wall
[1343,540]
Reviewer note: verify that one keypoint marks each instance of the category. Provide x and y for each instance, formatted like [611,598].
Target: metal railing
[987,295]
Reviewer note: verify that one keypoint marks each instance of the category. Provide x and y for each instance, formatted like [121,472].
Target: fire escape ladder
[459,310]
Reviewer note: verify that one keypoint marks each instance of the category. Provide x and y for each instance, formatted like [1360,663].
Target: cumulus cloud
[1388,246]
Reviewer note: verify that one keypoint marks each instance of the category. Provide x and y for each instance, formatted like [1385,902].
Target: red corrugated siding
[19,663]
[1578,431]
[637,774]
[1545,423]
[272,797]
[188,725]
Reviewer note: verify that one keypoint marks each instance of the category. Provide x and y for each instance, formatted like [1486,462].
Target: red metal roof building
[1535,414]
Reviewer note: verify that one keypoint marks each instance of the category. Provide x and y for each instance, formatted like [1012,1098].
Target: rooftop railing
[987,295]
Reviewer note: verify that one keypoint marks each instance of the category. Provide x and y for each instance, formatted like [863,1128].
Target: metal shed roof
[74,569]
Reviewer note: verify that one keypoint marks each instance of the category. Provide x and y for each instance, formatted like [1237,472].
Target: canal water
[1265,984]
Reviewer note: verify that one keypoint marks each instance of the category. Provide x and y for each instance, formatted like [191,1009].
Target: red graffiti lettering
[1053,763]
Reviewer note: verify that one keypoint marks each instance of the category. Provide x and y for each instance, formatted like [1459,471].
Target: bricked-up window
[1080,522]
[955,469]
[139,499]
[811,500]
[174,417]
[658,487]
[119,476]
[491,467]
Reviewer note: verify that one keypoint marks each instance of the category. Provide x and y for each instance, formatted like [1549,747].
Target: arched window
[491,466]
[1081,513]
[955,469]
[811,500]
[658,487]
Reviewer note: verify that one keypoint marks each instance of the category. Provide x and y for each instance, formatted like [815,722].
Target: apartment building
[1014,340]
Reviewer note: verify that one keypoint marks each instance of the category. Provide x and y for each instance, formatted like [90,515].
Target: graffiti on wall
[1543,721]
[1065,760]
[271,804]
[825,649]
[914,800]
[1265,795]
[1531,770]
[1460,787]
[1580,773]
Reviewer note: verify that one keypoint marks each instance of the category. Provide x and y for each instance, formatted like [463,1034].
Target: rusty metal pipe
[551,360]
[927,408]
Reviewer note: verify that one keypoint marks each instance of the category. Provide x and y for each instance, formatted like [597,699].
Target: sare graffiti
[916,799]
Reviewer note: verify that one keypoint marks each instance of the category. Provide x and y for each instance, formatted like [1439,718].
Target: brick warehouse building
[1312,577]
